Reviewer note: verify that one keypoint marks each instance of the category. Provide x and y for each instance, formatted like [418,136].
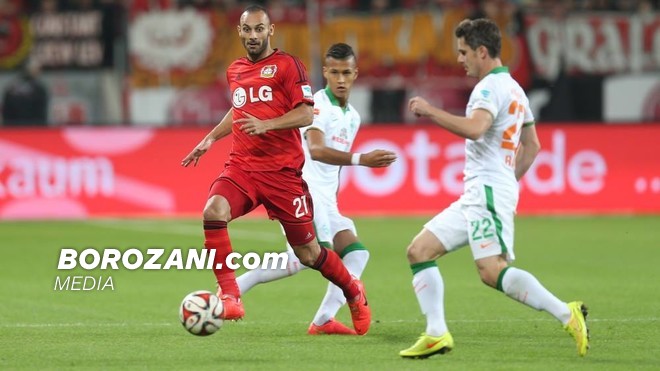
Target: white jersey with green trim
[339,127]
[492,158]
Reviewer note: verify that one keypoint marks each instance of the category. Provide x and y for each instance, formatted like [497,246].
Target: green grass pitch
[609,262]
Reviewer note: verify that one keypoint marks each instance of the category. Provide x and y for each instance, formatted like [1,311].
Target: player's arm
[320,152]
[298,117]
[472,127]
[302,115]
[528,148]
[218,132]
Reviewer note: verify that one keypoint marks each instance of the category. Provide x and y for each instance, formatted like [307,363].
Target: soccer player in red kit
[271,99]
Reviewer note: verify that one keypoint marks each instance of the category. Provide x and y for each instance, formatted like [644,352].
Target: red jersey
[267,89]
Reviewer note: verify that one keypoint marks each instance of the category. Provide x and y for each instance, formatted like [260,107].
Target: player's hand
[251,125]
[378,158]
[196,153]
[419,106]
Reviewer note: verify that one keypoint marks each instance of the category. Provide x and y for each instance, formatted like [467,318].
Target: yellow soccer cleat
[577,326]
[427,346]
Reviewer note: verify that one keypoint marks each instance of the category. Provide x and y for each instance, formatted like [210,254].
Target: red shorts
[284,194]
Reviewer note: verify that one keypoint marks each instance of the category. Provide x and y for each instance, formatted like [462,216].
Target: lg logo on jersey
[240,96]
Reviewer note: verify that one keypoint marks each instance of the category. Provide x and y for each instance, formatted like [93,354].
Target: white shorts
[328,221]
[483,218]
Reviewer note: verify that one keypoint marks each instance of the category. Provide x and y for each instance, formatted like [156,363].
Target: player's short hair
[254,8]
[340,51]
[478,32]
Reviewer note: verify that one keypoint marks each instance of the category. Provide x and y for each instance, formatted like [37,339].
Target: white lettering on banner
[57,53]
[25,177]
[452,173]
[67,24]
[583,173]
[422,152]
[611,55]
[68,38]
[586,172]
[594,44]
[588,55]
[552,172]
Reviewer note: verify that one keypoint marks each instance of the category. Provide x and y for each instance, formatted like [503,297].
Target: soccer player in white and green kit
[500,145]
[327,146]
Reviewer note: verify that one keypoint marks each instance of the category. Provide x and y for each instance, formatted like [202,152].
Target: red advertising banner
[581,169]
[99,172]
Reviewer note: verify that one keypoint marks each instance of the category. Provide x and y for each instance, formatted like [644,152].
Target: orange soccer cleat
[360,311]
[332,327]
[232,307]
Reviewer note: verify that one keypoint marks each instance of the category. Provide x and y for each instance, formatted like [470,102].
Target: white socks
[355,262]
[525,288]
[516,283]
[251,278]
[430,291]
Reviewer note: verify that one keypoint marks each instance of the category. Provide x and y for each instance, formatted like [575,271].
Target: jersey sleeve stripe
[526,124]
[301,71]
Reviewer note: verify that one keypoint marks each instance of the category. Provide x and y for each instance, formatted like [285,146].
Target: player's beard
[254,54]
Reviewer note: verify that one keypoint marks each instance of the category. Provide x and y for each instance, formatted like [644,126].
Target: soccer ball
[200,313]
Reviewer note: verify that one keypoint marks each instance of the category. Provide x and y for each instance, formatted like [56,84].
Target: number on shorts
[301,204]
[481,229]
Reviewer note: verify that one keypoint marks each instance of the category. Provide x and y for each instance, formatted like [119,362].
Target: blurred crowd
[60,42]
[12,7]
[381,6]
[509,5]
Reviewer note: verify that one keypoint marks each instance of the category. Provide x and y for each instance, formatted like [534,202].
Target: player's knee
[213,213]
[416,253]
[307,261]
[489,271]
[488,279]
[217,209]
[425,247]
[306,254]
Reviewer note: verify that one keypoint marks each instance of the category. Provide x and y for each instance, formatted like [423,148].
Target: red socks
[216,238]
[328,262]
[332,268]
